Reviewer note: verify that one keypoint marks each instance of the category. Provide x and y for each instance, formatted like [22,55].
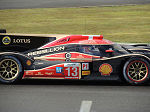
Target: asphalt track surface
[68,96]
[19,4]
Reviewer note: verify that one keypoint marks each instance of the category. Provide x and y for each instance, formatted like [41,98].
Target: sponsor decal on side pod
[45,51]
[6,40]
[105,69]
[85,66]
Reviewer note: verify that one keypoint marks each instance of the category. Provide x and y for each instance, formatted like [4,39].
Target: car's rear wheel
[136,71]
[10,69]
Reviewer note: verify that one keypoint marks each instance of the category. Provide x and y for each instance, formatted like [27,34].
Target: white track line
[85,106]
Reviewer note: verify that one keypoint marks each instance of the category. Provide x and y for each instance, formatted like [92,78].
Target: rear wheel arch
[21,57]
[12,69]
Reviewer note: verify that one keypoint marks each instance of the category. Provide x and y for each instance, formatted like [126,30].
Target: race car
[73,57]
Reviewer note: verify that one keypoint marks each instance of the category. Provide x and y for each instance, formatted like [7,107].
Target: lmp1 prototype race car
[77,57]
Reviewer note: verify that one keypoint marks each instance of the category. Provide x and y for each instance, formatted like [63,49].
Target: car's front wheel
[10,69]
[136,71]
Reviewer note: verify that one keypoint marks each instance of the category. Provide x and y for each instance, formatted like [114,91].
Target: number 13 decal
[74,72]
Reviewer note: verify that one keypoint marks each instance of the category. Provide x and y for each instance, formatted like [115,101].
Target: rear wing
[22,43]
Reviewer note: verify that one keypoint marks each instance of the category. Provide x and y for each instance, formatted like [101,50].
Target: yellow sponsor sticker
[86,72]
[6,40]
[28,62]
[105,69]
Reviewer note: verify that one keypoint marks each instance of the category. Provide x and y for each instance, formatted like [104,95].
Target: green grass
[119,23]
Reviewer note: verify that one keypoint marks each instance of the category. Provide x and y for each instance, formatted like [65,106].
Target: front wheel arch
[129,77]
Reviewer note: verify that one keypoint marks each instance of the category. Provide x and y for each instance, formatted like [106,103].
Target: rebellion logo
[6,40]
[46,51]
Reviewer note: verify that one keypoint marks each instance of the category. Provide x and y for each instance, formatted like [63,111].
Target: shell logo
[105,69]
[6,40]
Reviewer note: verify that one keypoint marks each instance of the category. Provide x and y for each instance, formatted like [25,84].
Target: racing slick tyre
[11,69]
[136,71]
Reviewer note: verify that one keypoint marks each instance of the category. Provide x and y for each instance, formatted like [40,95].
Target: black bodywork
[22,46]
[20,43]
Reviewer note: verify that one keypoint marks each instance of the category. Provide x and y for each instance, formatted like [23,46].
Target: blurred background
[117,20]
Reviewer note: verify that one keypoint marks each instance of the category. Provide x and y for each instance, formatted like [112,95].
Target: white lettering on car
[50,50]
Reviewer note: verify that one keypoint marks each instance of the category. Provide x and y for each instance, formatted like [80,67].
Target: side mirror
[109,51]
